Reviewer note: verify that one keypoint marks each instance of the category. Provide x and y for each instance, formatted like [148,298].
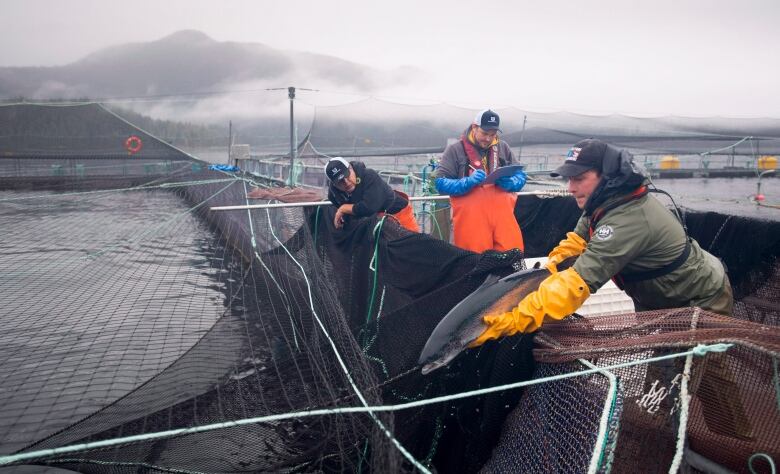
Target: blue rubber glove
[223,168]
[513,184]
[456,187]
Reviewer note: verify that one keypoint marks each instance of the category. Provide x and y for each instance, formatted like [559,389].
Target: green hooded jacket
[642,235]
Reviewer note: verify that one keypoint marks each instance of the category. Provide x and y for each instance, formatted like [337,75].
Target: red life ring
[133,144]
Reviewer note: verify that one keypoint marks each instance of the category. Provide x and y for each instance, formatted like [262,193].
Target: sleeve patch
[604,232]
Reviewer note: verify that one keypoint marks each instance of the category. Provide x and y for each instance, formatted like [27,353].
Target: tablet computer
[501,172]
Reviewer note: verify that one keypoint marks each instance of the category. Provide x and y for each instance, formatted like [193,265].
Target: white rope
[699,350]
[725,147]
[360,396]
[767,458]
[265,267]
[601,439]
[685,400]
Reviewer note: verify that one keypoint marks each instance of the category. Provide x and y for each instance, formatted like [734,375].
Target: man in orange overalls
[482,214]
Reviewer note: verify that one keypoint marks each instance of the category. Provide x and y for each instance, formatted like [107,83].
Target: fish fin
[489,280]
[427,368]
[537,265]
[512,277]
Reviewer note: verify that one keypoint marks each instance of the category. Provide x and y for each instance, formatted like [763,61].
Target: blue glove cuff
[454,187]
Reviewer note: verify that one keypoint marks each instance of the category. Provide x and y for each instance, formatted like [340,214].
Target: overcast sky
[652,57]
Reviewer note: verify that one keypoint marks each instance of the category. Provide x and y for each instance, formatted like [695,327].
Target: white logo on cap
[492,119]
[573,154]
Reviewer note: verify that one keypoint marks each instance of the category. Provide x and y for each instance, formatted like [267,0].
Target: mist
[696,58]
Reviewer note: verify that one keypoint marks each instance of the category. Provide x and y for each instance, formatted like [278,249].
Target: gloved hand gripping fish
[464,323]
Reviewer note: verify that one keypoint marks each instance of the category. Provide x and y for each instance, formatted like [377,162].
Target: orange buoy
[133,144]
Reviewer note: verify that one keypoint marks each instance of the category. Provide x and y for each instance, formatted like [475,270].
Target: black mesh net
[132,311]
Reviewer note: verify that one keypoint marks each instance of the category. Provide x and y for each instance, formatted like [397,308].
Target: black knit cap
[585,155]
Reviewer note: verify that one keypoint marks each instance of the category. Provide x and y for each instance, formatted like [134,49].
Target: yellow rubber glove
[559,295]
[572,245]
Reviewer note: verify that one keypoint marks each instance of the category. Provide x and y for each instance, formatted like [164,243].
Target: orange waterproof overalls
[405,216]
[484,218]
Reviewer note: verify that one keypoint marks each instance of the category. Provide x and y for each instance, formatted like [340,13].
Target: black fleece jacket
[371,195]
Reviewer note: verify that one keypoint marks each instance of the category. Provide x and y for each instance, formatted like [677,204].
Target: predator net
[145,333]
[403,136]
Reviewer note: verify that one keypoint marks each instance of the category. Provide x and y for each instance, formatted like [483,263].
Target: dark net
[131,309]
[300,321]
[732,412]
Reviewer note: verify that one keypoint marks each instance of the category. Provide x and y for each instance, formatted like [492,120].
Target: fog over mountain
[189,77]
[189,62]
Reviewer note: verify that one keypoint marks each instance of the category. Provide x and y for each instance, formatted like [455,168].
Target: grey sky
[659,57]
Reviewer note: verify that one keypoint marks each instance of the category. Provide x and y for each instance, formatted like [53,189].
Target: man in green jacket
[625,235]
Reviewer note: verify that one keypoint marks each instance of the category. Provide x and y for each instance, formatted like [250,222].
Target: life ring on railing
[133,144]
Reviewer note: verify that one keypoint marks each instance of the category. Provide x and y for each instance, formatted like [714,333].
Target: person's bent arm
[343,210]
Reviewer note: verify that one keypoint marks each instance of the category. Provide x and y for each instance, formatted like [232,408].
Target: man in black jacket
[359,191]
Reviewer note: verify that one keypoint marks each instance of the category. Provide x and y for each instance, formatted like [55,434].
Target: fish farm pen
[145,332]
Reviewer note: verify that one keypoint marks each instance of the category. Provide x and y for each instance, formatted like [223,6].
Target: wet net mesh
[130,309]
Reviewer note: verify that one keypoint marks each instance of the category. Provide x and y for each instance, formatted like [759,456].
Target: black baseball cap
[487,120]
[337,169]
[585,155]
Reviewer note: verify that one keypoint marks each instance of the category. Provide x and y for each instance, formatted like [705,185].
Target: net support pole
[522,133]
[230,143]
[291,95]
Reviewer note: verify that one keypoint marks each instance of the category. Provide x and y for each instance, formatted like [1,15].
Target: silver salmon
[463,324]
